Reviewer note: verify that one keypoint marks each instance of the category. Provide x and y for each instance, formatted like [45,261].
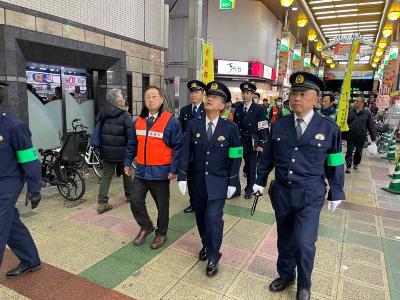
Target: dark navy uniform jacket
[186,114]
[254,122]
[213,171]
[16,137]
[304,163]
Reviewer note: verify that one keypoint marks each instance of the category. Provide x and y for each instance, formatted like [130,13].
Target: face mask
[279,103]
[2,94]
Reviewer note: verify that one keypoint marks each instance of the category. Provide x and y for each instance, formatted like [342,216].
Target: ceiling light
[387,30]
[294,8]
[336,11]
[329,60]
[332,65]
[379,52]
[374,65]
[371,3]
[302,21]
[286,3]
[342,16]
[376,59]
[319,46]
[394,12]
[324,1]
[311,35]
[324,7]
[382,43]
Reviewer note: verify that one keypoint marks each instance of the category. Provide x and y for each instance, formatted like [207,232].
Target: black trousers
[352,145]
[159,190]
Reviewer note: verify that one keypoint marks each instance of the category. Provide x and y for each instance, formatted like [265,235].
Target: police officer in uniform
[214,143]
[304,148]
[189,112]
[253,127]
[19,165]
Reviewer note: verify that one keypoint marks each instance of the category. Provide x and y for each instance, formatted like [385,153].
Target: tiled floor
[90,256]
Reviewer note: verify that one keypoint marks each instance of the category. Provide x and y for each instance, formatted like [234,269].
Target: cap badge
[299,79]
[320,137]
[194,85]
[214,87]
[221,138]
[246,86]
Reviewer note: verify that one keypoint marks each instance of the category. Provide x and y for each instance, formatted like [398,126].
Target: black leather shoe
[248,195]
[203,254]
[212,268]
[21,270]
[303,294]
[278,285]
[188,209]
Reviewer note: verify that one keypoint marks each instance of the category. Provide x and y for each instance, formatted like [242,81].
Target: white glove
[258,188]
[333,204]
[231,191]
[182,187]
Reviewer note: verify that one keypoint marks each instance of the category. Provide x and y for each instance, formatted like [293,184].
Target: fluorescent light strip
[335,12]
[349,27]
[349,15]
[346,5]
[344,24]
[351,31]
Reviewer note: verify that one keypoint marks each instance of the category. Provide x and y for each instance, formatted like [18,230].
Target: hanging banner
[394,51]
[207,64]
[285,41]
[344,100]
[297,52]
[307,60]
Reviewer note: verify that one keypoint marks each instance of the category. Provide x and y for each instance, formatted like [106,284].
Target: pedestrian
[214,143]
[360,124]
[256,97]
[226,113]
[253,127]
[189,112]
[275,111]
[304,148]
[265,106]
[156,143]
[116,126]
[286,110]
[20,164]
[327,107]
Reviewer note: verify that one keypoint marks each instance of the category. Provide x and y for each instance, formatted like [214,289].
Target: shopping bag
[372,149]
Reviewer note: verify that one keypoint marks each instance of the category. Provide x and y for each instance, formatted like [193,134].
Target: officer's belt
[296,185]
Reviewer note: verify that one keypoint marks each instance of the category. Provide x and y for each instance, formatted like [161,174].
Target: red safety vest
[152,150]
[274,116]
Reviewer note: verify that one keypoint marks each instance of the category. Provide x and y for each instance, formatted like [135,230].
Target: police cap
[196,85]
[3,84]
[304,81]
[219,89]
[248,86]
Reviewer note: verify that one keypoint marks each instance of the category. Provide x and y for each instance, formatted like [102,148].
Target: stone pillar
[195,36]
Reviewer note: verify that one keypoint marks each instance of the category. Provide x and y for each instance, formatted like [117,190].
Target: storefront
[233,73]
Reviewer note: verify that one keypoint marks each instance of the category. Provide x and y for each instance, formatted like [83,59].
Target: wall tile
[73,33]
[113,43]
[139,107]
[2,19]
[134,64]
[137,79]
[129,48]
[18,19]
[158,68]
[155,80]
[148,66]
[137,94]
[48,26]
[94,38]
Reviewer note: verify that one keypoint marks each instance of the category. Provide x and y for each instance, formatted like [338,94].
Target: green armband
[235,152]
[27,155]
[335,159]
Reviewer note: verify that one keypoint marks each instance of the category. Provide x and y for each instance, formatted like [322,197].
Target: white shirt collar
[214,122]
[247,105]
[197,105]
[154,116]
[307,118]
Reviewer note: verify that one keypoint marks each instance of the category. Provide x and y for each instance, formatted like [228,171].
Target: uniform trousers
[210,224]
[14,233]
[250,164]
[159,190]
[352,145]
[297,214]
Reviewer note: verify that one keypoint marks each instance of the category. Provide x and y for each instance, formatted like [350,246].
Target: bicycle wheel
[73,186]
[97,164]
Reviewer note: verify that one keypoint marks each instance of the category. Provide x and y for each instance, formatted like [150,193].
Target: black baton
[256,196]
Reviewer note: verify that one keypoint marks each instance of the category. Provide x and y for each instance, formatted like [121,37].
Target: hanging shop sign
[268,71]
[285,40]
[297,52]
[230,67]
[227,4]
[207,64]
[315,60]
[394,51]
[307,60]
[339,75]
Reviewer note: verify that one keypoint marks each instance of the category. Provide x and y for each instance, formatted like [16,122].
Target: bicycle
[69,181]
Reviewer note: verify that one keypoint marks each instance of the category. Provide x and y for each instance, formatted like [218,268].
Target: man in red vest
[156,144]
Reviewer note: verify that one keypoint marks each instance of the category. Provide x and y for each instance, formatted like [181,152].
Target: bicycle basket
[74,145]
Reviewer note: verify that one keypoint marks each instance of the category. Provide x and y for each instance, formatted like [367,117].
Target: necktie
[209,131]
[194,112]
[151,120]
[299,131]
[245,110]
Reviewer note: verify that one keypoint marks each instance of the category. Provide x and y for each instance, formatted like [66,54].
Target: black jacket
[115,133]
[359,125]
